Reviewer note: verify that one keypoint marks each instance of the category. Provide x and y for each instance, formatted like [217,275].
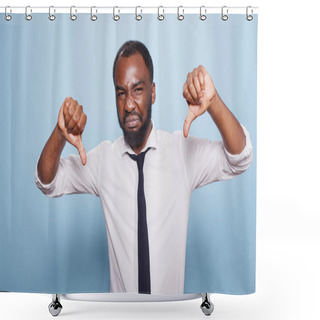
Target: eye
[138,89]
[119,94]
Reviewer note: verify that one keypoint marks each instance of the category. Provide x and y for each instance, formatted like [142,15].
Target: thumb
[187,123]
[82,151]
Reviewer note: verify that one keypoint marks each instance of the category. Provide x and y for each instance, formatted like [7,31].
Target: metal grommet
[73,17]
[6,15]
[51,16]
[138,16]
[203,15]
[160,16]
[28,16]
[93,16]
[180,16]
[224,13]
[116,17]
[249,17]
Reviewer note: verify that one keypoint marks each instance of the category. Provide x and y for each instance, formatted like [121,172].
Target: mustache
[133,113]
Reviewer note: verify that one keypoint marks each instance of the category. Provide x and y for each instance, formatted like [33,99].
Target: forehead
[131,69]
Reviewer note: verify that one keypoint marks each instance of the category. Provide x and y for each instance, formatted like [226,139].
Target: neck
[138,149]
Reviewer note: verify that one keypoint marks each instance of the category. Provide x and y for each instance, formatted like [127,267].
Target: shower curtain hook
[6,15]
[180,16]
[249,17]
[93,16]
[73,16]
[51,16]
[138,16]
[160,16]
[224,16]
[28,16]
[203,15]
[116,17]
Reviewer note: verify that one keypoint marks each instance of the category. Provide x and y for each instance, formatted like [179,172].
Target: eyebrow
[133,86]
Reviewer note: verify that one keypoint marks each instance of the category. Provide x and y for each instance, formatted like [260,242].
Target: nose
[129,103]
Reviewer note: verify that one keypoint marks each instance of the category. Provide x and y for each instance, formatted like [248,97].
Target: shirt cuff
[246,153]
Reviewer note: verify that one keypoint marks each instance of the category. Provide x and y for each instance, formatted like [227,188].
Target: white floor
[287,289]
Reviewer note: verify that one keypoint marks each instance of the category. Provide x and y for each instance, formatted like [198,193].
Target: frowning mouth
[132,121]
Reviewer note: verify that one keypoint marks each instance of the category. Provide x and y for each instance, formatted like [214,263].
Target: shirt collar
[151,142]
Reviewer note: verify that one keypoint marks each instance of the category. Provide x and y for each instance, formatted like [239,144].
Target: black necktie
[143,242]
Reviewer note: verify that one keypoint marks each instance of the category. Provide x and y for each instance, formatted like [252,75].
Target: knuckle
[75,117]
[190,85]
[68,102]
[79,127]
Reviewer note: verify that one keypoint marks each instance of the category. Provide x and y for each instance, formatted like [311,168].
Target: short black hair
[130,48]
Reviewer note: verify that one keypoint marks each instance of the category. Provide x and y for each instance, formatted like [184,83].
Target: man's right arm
[49,160]
[70,126]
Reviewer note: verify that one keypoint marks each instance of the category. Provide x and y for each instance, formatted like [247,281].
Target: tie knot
[139,158]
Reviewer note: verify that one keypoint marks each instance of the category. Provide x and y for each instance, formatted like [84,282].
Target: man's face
[134,96]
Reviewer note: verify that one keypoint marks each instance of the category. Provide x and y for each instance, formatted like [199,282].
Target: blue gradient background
[60,245]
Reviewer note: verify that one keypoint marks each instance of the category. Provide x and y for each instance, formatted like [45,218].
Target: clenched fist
[199,92]
[71,122]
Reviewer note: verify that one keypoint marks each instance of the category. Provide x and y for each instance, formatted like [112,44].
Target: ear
[153,92]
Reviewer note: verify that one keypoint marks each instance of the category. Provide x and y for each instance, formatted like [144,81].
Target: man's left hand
[199,92]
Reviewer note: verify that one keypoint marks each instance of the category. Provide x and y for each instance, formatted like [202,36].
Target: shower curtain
[66,244]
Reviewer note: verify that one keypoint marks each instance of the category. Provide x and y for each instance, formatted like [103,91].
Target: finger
[186,93]
[192,89]
[202,69]
[206,79]
[79,127]
[187,122]
[66,104]
[82,151]
[78,111]
[196,82]
[61,117]
[71,108]
[201,78]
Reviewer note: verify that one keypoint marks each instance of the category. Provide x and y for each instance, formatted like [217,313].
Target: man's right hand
[71,122]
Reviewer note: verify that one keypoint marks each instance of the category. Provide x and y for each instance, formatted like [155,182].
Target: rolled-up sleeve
[207,161]
[72,177]
[239,163]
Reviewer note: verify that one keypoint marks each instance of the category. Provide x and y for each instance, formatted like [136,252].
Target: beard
[136,138]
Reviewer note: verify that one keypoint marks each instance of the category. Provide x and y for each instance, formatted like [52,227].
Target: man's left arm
[201,95]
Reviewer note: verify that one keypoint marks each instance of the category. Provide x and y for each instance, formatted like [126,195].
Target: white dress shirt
[173,168]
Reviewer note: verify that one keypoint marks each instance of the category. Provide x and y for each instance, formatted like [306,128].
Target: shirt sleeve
[208,161]
[72,177]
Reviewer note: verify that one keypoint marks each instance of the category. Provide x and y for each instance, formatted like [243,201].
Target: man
[145,178]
